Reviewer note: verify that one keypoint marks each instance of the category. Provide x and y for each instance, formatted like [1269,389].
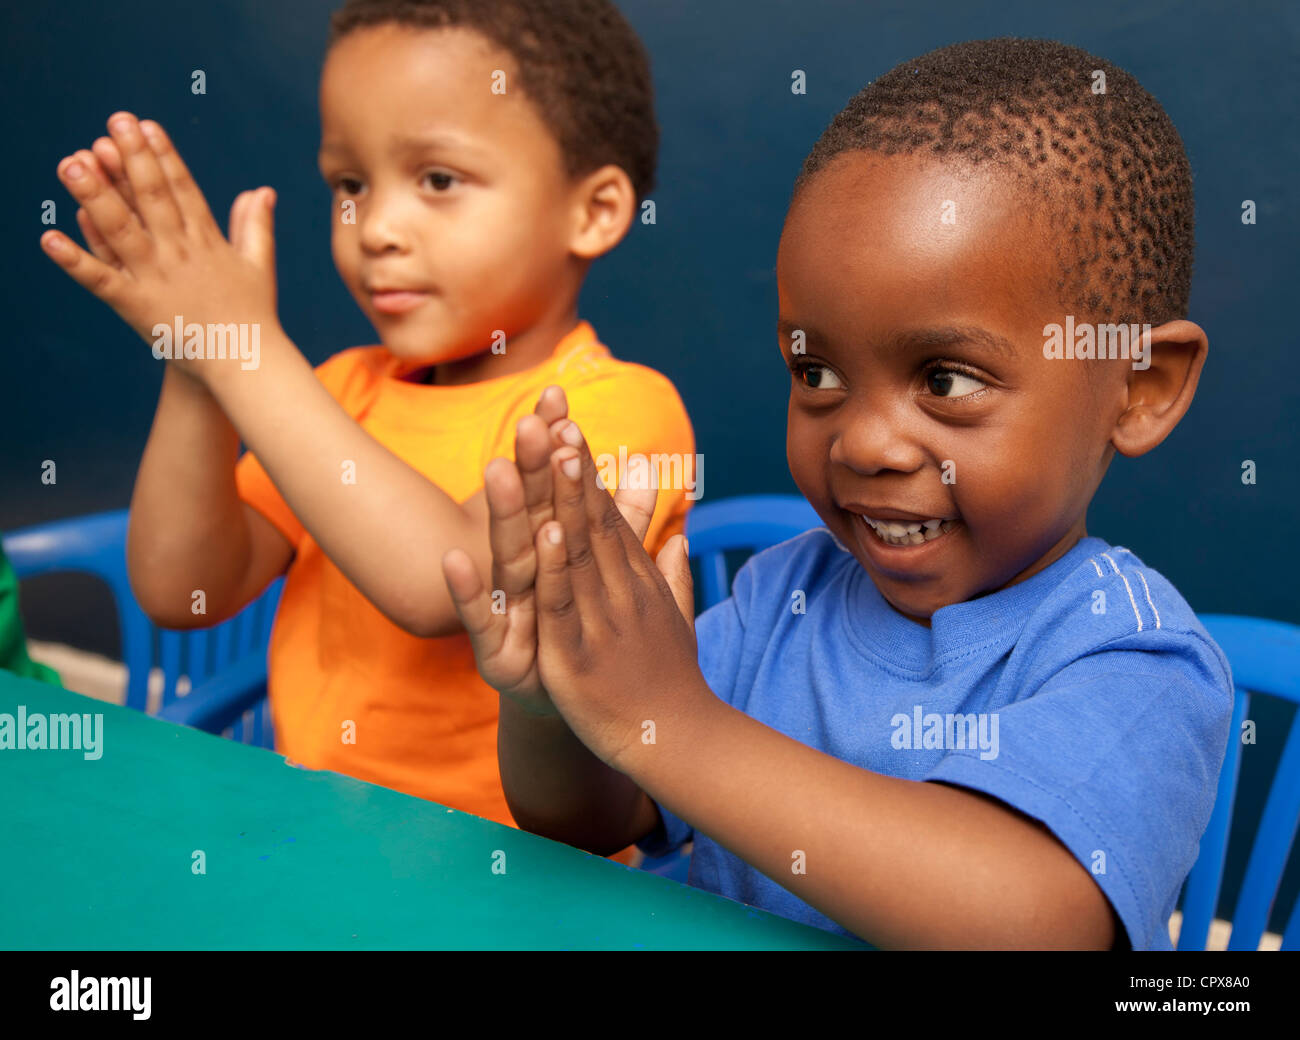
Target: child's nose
[872,441]
[382,223]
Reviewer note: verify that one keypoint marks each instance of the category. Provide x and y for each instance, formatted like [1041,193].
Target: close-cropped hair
[1077,130]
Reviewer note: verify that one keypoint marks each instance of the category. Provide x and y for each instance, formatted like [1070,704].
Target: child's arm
[189,529]
[168,258]
[553,784]
[898,862]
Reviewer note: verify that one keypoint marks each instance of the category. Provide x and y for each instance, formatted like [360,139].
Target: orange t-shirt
[425,722]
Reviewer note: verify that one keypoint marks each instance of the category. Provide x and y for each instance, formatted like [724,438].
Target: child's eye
[439,180]
[943,381]
[816,377]
[348,185]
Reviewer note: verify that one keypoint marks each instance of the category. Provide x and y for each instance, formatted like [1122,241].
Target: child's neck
[1068,541]
[524,350]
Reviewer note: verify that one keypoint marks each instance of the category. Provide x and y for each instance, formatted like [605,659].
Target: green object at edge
[104,853]
[13,645]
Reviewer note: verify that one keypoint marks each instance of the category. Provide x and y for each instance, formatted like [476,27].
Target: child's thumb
[253,227]
[675,565]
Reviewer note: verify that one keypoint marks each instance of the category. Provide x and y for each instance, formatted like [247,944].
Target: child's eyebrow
[434,139]
[917,340]
[405,144]
[951,336]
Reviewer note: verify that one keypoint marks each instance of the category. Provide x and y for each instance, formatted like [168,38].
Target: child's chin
[911,601]
[420,350]
[918,612]
[420,355]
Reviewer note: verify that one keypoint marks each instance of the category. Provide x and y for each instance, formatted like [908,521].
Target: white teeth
[891,532]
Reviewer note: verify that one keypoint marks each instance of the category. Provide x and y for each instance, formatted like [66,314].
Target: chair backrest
[751,522]
[96,545]
[1265,659]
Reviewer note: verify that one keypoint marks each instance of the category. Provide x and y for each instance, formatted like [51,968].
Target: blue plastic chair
[225,663]
[749,523]
[1265,658]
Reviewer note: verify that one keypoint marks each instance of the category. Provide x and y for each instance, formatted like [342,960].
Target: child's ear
[1159,395]
[604,203]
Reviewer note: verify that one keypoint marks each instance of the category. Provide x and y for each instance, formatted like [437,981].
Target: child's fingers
[117,223]
[87,271]
[486,629]
[591,570]
[674,564]
[638,508]
[95,240]
[185,191]
[615,545]
[533,460]
[552,405]
[558,619]
[514,564]
[110,162]
[153,195]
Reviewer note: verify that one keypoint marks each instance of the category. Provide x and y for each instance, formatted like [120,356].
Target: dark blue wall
[694,295]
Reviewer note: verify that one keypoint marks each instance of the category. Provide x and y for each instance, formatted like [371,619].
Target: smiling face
[463,209]
[922,393]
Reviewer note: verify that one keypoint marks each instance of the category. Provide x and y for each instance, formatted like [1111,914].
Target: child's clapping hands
[156,253]
[580,620]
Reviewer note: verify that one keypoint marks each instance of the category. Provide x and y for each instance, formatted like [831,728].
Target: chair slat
[169,659]
[196,662]
[1273,842]
[96,545]
[1206,878]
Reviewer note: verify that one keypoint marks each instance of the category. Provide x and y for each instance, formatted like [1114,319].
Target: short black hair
[579,62]
[1111,164]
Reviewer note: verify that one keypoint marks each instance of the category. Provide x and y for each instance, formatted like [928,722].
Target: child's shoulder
[605,394]
[1122,595]
[582,362]
[1108,599]
[355,371]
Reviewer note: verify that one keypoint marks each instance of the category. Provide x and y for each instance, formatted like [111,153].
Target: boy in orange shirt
[481,155]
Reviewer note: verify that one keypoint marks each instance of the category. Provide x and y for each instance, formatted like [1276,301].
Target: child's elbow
[425,621]
[176,606]
[164,614]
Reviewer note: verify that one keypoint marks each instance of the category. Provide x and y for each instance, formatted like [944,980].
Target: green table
[101,854]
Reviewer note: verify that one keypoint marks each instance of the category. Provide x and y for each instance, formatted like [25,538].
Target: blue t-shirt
[1088,697]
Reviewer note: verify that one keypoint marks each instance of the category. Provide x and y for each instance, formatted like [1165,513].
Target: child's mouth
[897,532]
[397,301]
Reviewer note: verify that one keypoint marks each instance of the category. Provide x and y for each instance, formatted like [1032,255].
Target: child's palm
[155,250]
[502,622]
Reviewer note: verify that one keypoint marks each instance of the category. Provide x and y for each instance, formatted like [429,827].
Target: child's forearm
[555,787]
[189,532]
[382,524]
[899,862]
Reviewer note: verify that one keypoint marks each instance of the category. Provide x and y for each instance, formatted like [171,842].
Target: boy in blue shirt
[950,718]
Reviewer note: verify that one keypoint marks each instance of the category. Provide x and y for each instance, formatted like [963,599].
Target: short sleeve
[348,376]
[255,487]
[1118,754]
[628,412]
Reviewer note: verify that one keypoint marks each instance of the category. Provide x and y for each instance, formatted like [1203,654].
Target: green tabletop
[101,853]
